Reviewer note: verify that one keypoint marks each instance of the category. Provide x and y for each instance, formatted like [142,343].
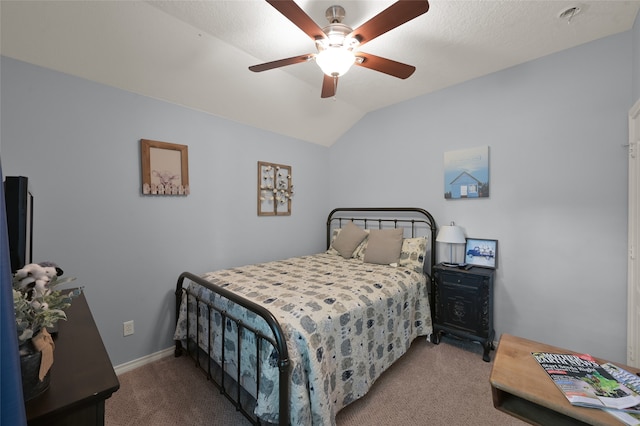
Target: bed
[293,341]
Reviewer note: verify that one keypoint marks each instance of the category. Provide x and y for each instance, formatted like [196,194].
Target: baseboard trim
[132,365]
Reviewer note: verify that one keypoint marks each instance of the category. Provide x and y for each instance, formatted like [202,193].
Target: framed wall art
[466,173]
[165,168]
[275,189]
[480,252]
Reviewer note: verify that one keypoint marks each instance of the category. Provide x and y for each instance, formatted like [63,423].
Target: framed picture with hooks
[275,189]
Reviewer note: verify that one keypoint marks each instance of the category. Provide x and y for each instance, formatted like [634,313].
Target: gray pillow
[384,246]
[348,239]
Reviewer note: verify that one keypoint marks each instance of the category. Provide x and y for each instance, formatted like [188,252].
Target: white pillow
[413,253]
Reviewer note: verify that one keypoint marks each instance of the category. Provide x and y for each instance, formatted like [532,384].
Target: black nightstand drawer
[455,278]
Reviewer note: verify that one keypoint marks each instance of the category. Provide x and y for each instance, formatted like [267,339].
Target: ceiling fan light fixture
[337,44]
[335,61]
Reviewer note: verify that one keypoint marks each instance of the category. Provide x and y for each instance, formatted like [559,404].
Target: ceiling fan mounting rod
[335,14]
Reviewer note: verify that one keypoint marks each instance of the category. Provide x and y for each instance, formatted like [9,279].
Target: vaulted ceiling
[197,53]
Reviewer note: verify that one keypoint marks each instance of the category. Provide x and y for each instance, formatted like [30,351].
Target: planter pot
[30,369]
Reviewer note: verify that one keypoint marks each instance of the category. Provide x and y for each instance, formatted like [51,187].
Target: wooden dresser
[82,376]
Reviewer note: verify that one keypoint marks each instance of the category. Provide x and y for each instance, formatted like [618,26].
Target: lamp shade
[335,61]
[451,234]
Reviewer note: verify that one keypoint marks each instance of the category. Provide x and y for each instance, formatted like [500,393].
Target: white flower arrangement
[36,303]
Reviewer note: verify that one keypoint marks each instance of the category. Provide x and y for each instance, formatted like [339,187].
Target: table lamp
[451,234]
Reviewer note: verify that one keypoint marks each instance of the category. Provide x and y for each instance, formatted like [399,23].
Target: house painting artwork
[466,173]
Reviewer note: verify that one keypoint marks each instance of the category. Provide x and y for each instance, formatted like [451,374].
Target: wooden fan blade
[387,66]
[395,15]
[295,14]
[281,63]
[329,86]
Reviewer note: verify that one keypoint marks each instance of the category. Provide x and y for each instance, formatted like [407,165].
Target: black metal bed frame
[415,217]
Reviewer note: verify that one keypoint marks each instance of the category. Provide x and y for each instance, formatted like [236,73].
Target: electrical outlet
[127,328]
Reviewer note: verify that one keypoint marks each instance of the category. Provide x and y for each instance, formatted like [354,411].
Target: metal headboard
[410,218]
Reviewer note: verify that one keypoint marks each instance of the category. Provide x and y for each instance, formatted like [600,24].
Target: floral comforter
[345,323]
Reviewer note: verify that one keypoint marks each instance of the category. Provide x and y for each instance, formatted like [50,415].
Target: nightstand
[463,301]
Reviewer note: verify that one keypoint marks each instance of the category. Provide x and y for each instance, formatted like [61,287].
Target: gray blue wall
[558,176]
[78,142]
[558,201]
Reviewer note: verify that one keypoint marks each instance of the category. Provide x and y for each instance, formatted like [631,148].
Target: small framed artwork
[165,168]
[479,252]
[466,173]
[275,189]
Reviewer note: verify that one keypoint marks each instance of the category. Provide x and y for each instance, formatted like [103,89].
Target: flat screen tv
[19,206]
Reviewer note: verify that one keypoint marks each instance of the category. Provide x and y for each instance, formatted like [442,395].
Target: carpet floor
[445,384]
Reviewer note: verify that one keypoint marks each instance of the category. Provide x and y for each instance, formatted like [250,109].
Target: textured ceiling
[196,53]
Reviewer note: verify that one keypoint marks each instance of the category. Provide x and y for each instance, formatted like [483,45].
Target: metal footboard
[221,380]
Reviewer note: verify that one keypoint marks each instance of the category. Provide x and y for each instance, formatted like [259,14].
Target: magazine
[586,383]
[630,419]
[631,381]
[628,379]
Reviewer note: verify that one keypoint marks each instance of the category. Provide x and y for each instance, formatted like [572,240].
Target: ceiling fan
[338,44]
